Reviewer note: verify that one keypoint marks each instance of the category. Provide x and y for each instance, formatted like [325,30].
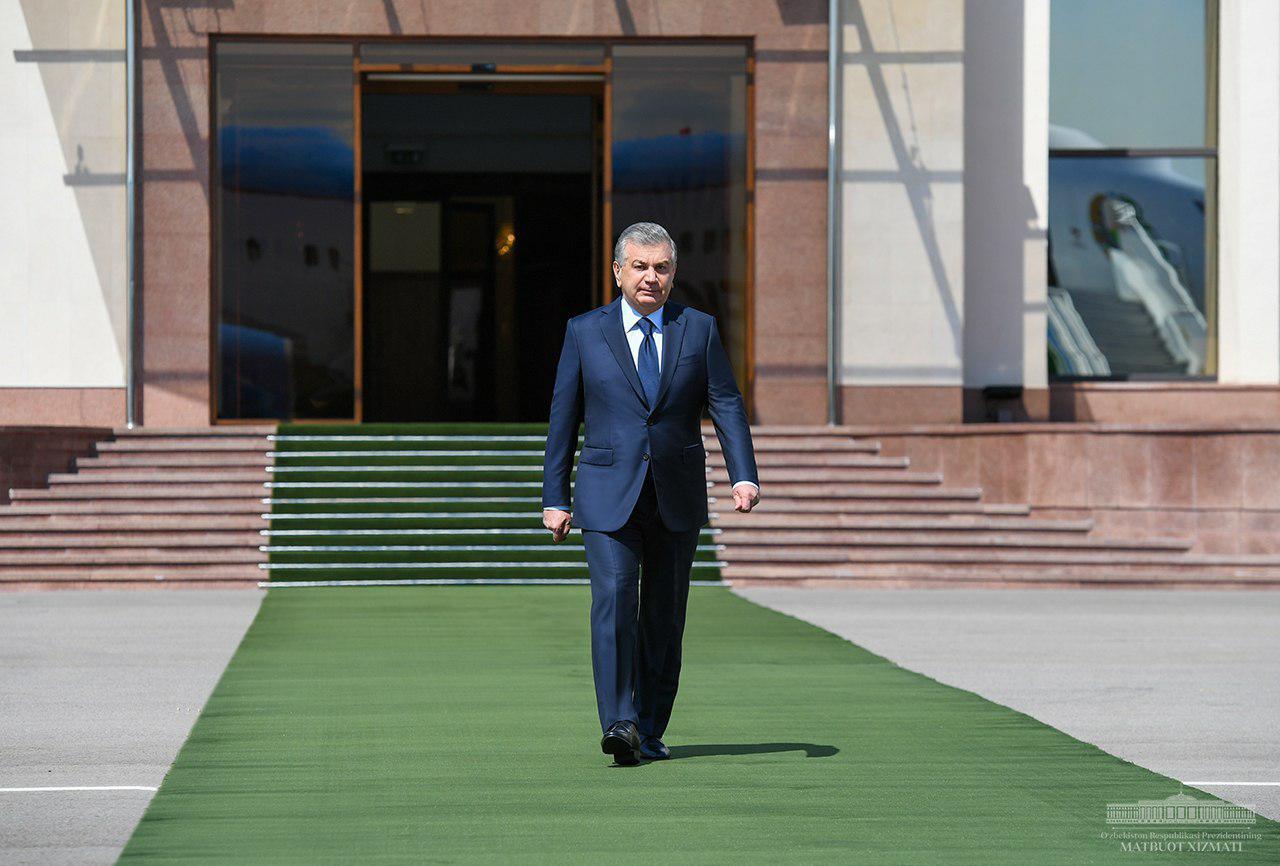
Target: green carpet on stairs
[457,724]
[445,501]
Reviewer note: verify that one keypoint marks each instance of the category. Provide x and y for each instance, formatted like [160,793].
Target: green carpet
[410,724]
[440,501]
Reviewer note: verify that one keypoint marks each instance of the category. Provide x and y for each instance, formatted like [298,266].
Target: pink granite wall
[1165,402]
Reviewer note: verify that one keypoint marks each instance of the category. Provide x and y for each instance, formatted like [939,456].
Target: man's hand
[558,522]
[745,497]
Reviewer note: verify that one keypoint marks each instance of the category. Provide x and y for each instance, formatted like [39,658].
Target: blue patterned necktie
[648,361]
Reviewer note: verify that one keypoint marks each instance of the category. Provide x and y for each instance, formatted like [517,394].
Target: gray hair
[643,235]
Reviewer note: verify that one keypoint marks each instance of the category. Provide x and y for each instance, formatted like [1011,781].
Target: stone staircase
[834,512]
[230,506]
[147,507]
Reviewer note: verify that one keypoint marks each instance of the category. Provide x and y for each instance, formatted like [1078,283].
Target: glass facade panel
[497,53]
[1132,170]
[435,167]
[1129,74]
[1128,293]
[680,159]
[283,199]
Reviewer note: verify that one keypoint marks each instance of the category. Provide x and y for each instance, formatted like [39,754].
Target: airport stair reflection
[434,502]
[1123,332]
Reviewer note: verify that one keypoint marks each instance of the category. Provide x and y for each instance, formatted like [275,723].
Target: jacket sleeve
[728,414]
[566,416]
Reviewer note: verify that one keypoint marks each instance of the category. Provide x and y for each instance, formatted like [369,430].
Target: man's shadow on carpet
[811,750]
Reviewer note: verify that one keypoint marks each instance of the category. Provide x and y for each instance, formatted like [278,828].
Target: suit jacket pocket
[693,453]
[690,367]
[595,455]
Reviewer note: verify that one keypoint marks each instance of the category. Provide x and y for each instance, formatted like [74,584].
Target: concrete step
[135,491]
[35,562]
[826,444]
[817,458]
[298,442]
[986,579]
[895,546]
[721,488]
[161,475]
[1189,574]
[764,523]
[36,507]
[45,585]
[175,459]
[54,541]
[61,523]
[801,508]
[162,445]
[1049,560]
[743,532]
[131,576]
[834,474]
[799,429]
[223,431]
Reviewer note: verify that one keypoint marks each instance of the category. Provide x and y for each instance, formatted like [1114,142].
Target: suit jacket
[597,383]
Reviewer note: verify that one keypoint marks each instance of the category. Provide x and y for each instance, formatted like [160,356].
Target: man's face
[645,277]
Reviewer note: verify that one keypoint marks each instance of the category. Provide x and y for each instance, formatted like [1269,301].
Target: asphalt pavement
[99,689]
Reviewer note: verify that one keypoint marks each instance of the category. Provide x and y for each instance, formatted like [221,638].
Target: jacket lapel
[672,337]
[611,330]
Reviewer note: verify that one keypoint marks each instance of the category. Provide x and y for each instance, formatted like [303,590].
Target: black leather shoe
[653,749]
[622,740]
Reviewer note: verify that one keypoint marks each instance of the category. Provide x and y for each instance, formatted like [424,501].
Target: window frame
[1208,152]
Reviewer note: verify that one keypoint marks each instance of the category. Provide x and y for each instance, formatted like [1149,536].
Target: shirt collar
[630,316]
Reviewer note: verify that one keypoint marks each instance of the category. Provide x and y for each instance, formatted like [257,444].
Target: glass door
[283,226]
[401,228]
[481,237]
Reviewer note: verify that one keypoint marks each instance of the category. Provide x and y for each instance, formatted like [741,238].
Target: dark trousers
[637,624]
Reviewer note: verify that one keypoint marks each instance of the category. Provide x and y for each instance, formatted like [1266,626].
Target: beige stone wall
[62,163]
[902,210]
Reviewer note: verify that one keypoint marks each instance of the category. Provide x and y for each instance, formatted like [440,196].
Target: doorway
[410,248]
[480,227]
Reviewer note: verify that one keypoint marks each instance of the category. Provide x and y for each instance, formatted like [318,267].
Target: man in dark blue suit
[638,372]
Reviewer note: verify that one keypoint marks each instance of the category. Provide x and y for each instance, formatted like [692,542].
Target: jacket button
[646,456]
[649,422]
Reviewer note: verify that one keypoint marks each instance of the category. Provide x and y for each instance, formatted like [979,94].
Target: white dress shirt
[635,333]
[635,337]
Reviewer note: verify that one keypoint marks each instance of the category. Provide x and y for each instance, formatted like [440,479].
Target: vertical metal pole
[833,211]
[130,383]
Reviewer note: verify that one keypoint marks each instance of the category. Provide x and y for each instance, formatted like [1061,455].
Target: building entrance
[481,237]
[401,228]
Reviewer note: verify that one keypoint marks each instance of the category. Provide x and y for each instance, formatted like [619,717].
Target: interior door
[468,310]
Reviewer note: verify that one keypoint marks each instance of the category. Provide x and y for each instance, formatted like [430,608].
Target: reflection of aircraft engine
[1126,263]
[261,364]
